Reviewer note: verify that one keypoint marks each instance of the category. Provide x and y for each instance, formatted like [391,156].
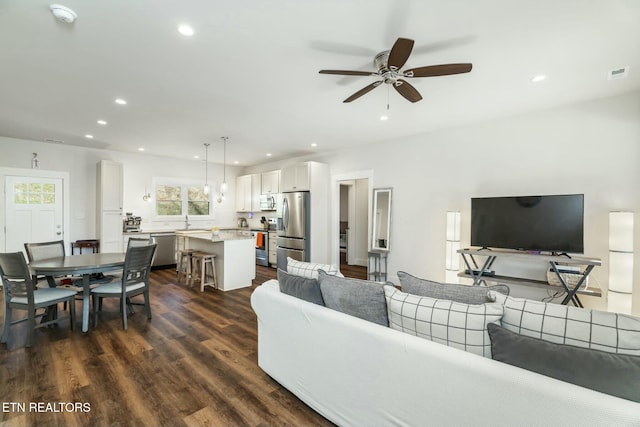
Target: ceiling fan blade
[348,73]
[399,53]
[438,70]
[362,91]
[406,90]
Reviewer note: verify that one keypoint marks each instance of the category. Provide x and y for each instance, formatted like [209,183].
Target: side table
[377,266]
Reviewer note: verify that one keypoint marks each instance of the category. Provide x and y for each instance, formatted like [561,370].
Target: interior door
[33,211]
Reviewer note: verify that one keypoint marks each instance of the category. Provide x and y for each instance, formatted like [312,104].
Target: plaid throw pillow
[455,324]
[581,327]
[309,269]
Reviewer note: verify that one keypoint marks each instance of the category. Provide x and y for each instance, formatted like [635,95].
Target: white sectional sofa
[358,373]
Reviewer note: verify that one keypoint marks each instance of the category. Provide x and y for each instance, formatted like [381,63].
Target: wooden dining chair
[20,293]
[45,250]
[134,281]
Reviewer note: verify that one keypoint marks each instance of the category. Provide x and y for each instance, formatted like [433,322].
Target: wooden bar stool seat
[202,260]
[185,262]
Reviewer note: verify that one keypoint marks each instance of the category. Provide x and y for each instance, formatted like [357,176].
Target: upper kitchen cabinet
[295,178]
[303,177]
[271,182]
[110,186]
[248,188]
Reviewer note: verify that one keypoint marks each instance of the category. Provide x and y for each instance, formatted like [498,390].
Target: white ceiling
[250,72]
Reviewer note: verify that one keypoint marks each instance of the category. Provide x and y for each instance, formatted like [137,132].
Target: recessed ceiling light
[383,118]
[196,157]
[539,78]
[141,149]
[88,136]
[268,154]
[313,144]
[102,122]
[185,30]
[235,162]
[121,101]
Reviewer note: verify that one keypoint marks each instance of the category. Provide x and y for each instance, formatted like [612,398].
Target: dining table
[83,265]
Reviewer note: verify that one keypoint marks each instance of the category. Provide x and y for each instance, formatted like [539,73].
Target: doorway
[35,207]
[350,223]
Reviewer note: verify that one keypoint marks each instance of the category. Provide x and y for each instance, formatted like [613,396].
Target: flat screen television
[551,223]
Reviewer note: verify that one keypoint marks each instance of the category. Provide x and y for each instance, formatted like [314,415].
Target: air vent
[618,73]
[53,141]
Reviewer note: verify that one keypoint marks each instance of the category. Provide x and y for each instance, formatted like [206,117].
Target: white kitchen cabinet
[109,205]
[273,248]
[256,191]
[243,193]
[271,182]
[295,177]
[248,188]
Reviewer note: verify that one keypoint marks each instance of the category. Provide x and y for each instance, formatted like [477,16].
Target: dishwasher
[166,249]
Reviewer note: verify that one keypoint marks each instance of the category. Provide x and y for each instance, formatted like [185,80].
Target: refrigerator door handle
[285,214]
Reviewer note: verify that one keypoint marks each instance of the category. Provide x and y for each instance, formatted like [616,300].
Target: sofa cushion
[300,287]
[615,374]
[359,298]
[454,292]
[455,324]
[581,327]
[310,269]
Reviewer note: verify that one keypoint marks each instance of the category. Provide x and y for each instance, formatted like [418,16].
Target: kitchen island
[235,253]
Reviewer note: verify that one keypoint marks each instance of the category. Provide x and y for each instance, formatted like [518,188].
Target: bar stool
[207,276]
[185,261]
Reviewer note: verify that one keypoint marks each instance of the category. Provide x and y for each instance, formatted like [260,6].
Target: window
[34,193]
[181,200]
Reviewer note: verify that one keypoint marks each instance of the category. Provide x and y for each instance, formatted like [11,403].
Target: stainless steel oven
[262,247]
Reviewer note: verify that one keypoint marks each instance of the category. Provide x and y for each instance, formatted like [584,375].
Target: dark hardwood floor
[355,271]
[193,364]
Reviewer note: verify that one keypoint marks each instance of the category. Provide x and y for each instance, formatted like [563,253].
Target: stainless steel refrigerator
[293,215]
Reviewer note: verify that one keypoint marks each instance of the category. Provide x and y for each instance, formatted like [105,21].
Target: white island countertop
[223,235]
[234,250]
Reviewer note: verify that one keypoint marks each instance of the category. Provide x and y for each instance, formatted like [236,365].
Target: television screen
[534,223]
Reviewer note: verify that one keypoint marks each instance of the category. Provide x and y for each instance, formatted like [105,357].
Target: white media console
[479,262]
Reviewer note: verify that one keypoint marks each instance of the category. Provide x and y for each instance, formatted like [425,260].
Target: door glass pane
[35,198]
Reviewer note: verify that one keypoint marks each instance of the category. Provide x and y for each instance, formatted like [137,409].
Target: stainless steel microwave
[267,202]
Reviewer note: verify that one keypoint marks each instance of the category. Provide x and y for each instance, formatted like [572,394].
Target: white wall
[139,172]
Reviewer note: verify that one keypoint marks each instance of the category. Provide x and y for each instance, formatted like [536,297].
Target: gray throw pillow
[453,292]
[359,298]
[610,373]
[300,287]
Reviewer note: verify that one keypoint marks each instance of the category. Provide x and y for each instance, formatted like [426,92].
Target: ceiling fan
[388,65]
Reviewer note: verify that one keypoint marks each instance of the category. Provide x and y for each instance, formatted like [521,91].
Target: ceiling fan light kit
[389,64]
[63,13]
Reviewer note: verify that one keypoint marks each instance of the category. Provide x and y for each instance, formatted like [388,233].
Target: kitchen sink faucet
[186,222]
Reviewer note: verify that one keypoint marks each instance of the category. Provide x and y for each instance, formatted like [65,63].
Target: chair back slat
[44,250]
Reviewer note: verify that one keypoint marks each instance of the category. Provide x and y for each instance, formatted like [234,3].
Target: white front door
[33,211]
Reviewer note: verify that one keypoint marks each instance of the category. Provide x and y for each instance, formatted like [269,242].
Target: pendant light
[223,186]
[206,168]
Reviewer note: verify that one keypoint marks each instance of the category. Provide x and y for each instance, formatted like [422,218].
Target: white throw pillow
[581,327]
[309,269]
[455,324]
